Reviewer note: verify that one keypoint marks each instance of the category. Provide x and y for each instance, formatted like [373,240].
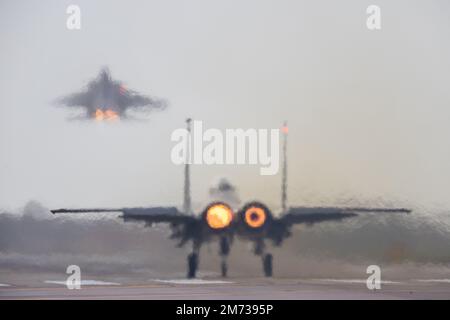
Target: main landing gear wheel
[192,265]
[267,265]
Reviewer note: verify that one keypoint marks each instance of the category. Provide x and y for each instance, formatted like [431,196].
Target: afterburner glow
[219,216]
[255,216]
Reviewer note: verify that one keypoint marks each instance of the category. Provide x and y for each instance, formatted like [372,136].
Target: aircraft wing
[148,215]
[77,99]
[311,215]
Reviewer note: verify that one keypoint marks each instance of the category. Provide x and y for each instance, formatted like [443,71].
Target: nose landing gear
[224,251]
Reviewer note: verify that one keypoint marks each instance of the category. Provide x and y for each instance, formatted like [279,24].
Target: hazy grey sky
[368,111]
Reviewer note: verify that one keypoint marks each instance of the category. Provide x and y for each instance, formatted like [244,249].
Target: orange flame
[108,115]
[255,217]
[219,216]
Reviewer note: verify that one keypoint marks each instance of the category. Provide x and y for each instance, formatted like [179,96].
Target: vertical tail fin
[187,178]
[285,130]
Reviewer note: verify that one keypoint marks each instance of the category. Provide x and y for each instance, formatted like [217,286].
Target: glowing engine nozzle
[255,216]
[218,216]
[108,115]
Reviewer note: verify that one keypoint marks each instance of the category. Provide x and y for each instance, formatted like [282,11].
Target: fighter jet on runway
[221,222]
[105,99]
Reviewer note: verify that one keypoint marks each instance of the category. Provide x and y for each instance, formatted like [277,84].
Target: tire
[224,269]
[267,265]
[192,265]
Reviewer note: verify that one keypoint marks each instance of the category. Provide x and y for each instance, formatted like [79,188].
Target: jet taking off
[105,99]
[219,221]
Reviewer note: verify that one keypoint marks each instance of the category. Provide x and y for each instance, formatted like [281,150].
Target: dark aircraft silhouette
[220,222]
[107,99]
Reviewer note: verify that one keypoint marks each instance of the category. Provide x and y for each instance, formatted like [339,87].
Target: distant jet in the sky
[105,99]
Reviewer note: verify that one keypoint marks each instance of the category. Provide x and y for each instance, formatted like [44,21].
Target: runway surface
[207,289]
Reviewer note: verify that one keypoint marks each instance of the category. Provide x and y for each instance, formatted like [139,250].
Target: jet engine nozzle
[255,215]
[218,215]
